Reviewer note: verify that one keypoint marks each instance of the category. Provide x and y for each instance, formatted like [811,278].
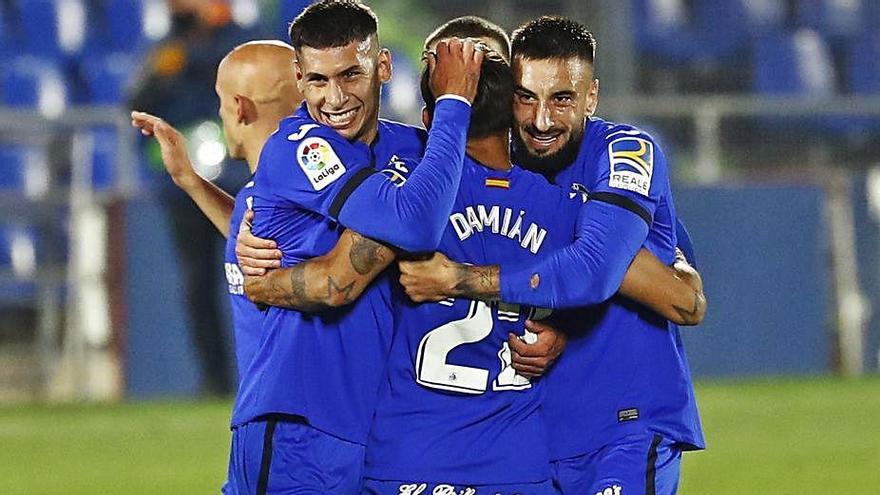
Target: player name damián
[501,221]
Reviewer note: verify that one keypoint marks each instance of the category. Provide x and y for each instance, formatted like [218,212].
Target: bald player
[257,88]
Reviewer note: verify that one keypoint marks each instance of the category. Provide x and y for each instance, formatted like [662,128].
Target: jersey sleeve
[308,167]
[611,227]
[412,215]
[685,244]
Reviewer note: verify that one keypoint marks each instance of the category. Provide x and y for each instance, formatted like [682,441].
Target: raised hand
[454,68]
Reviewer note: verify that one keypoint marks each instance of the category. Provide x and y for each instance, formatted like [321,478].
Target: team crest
[320,163]
[632,164]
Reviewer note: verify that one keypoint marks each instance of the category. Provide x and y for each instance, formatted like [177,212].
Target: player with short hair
[257,88]
[620,405]
[302,414]
[471,26]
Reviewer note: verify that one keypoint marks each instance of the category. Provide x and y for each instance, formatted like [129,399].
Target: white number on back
[433,371]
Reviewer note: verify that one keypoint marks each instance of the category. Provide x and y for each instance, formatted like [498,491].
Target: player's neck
[491,151]
[253,147]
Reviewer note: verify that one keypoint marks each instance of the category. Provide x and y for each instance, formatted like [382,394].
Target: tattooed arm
[676,292]
[329,281]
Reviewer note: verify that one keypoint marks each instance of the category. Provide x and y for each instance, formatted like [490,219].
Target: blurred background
[115,351]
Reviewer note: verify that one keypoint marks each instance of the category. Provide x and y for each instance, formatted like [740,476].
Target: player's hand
[255,255]
[454,68]
[533,360]
[171,142]
[429,280]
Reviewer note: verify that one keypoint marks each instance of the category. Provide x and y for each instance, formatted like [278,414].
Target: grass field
[798,437]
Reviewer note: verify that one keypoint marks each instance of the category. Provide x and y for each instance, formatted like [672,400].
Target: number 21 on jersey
[433,371]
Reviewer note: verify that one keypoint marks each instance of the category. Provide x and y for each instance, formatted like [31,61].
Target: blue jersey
[324,367]
[624,369]
[247,320]
[454,411]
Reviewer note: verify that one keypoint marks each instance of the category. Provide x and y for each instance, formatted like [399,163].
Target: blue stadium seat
[98,147]
[31,82]
[18,263]
[863,70]
[106,77]
[794,64]
[133,24]
[663,29]
[863,78]
[52,28]
[24,170]
[837,20]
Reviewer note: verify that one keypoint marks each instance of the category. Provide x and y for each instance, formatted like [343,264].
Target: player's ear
[593,97]
[245,110]
[298,73]
[426,118]
[385,66]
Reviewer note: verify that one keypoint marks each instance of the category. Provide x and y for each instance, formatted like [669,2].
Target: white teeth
[340,118]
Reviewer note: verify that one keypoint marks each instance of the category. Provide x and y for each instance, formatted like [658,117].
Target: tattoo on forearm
[478,282]
[334,288]
[366,254]
[298,296]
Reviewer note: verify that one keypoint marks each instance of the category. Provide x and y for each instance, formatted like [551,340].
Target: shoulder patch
[632,164]
[320,163]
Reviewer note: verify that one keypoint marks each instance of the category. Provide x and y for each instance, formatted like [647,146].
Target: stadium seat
[52,28]
[96,148]
[794,64]
[863,78]
[797,64]
[133,24]
[24,170]
[18,264]
[663,29]
[106,77]
[31,82]
[835,19]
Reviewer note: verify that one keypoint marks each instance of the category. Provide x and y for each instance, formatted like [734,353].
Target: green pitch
[796,437]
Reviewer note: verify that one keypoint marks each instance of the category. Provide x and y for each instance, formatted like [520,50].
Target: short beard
[547,165]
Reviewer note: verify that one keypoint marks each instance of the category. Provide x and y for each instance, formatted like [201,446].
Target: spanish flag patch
[496,182]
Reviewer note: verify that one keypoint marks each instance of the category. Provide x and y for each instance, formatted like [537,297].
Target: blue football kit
[247,319]
[624,376]
[323,371]
[454,414]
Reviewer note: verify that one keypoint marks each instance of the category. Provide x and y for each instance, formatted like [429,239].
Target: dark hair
[471,26]
[554,37]
[492,110]
[332,23]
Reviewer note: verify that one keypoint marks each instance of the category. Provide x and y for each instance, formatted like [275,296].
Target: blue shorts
[377,487]
[284,456]
[634,465]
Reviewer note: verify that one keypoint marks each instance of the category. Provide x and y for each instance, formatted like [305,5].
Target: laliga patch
[320,163]
[632,164]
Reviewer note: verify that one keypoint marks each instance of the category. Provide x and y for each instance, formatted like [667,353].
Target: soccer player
[417,410]
[257,88]
[620,406]
[304,407]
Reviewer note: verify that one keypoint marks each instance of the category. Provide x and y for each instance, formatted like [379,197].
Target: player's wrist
[187,180]
[453,97]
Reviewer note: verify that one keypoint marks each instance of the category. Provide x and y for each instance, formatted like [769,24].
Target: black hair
[332,23]
[554,37]
[492,110]
[471,26]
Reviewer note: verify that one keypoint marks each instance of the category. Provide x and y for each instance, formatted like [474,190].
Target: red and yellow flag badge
[496,182]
